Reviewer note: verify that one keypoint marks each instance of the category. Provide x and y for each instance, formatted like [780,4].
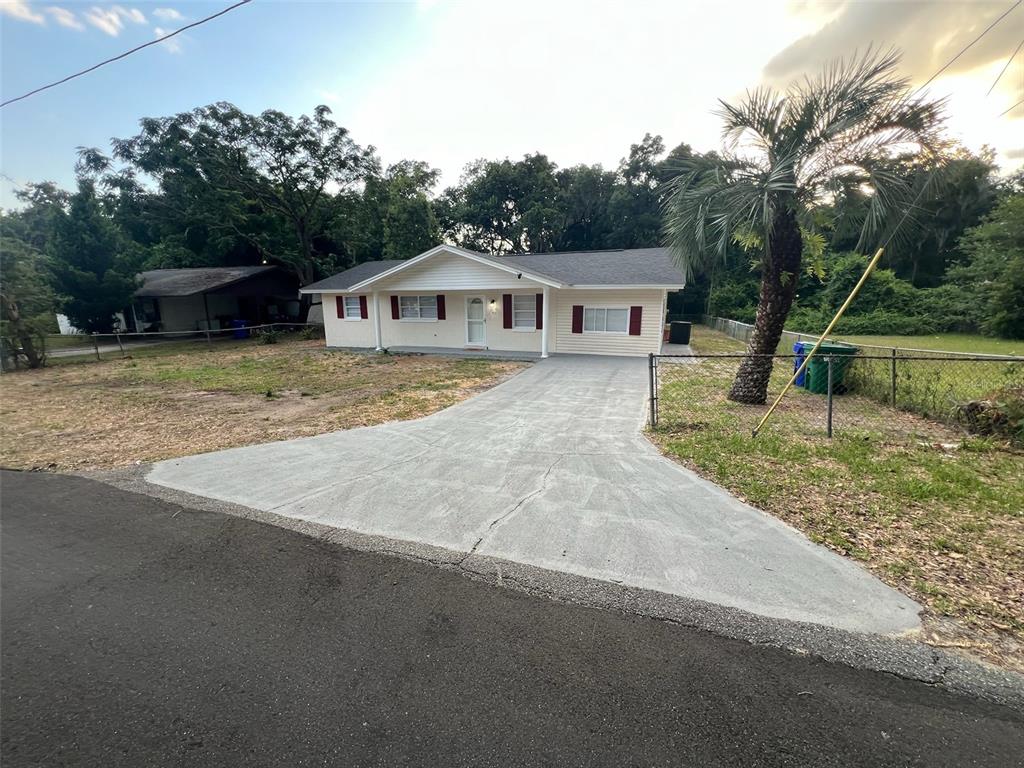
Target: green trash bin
[816,379]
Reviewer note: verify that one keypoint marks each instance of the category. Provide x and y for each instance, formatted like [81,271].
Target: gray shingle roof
[633,266]
[356,274]
[188,282]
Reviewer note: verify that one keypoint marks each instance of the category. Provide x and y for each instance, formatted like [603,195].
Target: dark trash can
[679,332]
[240,332]
[816,379]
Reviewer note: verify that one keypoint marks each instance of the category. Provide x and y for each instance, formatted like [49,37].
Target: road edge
[902,656]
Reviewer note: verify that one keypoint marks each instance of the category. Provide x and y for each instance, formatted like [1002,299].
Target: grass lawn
[945,342]
[182,398]
[931,512]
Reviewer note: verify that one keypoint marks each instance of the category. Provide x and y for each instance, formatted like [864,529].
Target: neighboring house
[588,302]
[212,297]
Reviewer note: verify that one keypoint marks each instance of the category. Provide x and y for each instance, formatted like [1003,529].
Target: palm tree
[786,156]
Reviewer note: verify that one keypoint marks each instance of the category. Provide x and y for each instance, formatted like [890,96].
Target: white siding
[449,272]
[651,325]
[347,333]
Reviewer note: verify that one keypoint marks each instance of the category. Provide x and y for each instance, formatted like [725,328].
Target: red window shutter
[340,302]
[506,305]
[394,308]
[635,313]
[540,311]
[363,312]
[440,307]
[577,318]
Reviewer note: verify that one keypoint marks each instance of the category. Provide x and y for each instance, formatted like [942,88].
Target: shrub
[311,332]
[268,335]
[1000,414]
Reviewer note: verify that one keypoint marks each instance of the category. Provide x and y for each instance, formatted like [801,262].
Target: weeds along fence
[83,347]
[896,394]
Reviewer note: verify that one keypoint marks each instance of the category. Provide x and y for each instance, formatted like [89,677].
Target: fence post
[893,366]
[119,344]
[828,428]
[96,344]
[652,389]
[209,342]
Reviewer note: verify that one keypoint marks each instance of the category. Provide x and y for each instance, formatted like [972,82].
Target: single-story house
[588,302]
[212,297]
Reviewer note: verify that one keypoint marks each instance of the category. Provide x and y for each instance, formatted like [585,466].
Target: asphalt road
[139,633]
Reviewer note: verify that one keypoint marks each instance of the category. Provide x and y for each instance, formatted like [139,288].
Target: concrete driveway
[550,469]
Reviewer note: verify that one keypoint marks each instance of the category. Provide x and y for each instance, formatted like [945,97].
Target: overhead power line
[1006,66]
[127,53]
[967,47]
[1019,103]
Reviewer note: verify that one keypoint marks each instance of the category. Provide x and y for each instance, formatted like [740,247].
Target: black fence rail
[102,346]
[926,394]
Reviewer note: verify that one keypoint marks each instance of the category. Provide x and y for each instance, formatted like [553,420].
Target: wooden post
[119,344]
[96,344]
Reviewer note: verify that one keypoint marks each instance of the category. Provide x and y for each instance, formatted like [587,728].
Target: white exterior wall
[450,332]
[458,278]
[652,322]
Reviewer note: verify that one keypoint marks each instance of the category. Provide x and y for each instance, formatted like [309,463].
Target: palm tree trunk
[780,274]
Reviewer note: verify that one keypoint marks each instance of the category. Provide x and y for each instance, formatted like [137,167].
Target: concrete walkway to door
[550,469]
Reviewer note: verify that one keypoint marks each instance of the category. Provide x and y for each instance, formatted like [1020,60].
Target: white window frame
[358,315]
[605,309]
[403,302]
[532,327]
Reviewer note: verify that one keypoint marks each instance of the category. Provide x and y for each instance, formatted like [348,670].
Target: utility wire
[949,63]
[1011,108]
[931,174]
[129,53]
[1006,66]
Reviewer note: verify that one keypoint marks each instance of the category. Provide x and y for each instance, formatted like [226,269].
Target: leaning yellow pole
[824,335]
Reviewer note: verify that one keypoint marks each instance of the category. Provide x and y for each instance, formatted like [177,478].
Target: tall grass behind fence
[982,395]
[937,385]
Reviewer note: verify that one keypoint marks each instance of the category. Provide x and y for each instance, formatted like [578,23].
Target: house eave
[543,280]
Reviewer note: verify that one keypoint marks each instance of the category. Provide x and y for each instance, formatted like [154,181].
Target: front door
[476,334]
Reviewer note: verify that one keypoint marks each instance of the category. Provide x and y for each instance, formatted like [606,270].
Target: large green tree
[92,274]
[253,174]
[27,299]
[785,153]
[992,278]
[503,206]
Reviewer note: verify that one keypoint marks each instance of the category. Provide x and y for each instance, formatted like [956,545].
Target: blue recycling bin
[801,350]
[240,332]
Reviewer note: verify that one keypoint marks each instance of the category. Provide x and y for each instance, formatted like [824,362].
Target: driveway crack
[514,508]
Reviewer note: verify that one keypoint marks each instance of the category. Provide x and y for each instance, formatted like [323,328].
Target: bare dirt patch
[119,412]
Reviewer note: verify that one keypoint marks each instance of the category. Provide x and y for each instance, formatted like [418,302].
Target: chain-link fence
[924,395]
[81,347]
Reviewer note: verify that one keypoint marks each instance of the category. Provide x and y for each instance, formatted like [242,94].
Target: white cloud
[105,20]
[65,18]
[167,14]
[111,20]
[129,14]
[173,45]
[19,9]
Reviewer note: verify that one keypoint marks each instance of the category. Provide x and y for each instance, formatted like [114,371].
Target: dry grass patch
[190,399]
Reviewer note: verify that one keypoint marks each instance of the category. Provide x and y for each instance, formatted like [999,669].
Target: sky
[449,82]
